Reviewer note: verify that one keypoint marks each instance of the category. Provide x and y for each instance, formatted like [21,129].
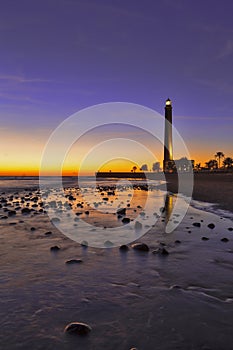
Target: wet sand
[216,188]
[181,300]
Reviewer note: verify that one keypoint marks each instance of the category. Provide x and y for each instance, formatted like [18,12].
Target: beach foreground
[142,299]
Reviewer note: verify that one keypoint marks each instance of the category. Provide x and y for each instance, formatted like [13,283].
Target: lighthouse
[168,151]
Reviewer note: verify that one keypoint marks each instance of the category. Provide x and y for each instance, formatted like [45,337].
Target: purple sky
[59,56]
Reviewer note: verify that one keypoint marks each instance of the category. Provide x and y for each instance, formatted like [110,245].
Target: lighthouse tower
[168,151]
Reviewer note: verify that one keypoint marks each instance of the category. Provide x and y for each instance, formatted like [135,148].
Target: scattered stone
[138,225]
[205,238]
[175,286]
[26,211]
[84,244]
[55,248]
[177,241]
[197,224]
[211,226]
[3,217]
[124,248]
[125,220]
[111,193]
[11,212]
[74,261]
[224,239]
[161,251]
[71,198]
[141,247]
[121,211]
[48,233]
[78,328]
[55,220]
[108,244]
[33,228]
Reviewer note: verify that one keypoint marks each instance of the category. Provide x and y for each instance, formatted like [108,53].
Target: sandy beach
[215,188]
[176,295]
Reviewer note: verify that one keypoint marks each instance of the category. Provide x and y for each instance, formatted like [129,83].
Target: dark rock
[55,220]
[111,193]
[211,226]
[26,211]
[11,212]
[71,198]
[55,248]
[141,247]
[125,220]
[121,211]
[138,225]
[3,217]
[74,261]
[87,212]
[161,251]
[108,244]
[177,241]
[224,239]
[78,328]
[197,224]
[48,233]
[124,248]
[84,244]
[33,228]
[175,286]
[205,238]
[230,228]
[105,199]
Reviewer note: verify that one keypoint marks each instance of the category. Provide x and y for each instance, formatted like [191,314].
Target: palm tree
[219,155]
[134,168]
[198,166]
[212,164]
[228,162]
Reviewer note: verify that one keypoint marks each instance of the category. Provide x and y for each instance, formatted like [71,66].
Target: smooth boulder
[78,328]
[141,247]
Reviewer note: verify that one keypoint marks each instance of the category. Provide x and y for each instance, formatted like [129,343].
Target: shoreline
[210,188]
[214,188]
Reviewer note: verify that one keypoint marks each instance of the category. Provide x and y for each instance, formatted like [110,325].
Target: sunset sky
[60,56]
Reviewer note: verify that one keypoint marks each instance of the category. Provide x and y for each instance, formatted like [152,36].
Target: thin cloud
[227,50]
[203,118]
[22,79]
